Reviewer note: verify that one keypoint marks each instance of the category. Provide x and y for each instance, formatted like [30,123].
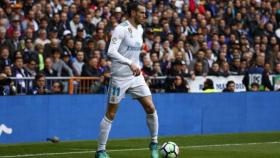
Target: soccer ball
[169,150]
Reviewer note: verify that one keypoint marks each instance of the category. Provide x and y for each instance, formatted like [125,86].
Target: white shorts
[136,87]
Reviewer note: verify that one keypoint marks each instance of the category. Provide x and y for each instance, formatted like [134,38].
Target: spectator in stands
[200,59]
[39,85]
[208,86]
[198,69]
[40,50]
[69,47]
[5,59]
[78,46]
[30,18]
[156,84]
[91,69]
[214,70]
[230,86]
[81,34]
[14,25]
[48,70]
[6,86]
[254,87]
[57,87]
[179,85]
[20,72]
[53,33]
[64,24]
[258,74]
[88,25]
[157,69]
[7,70]
[178,68]
[54,44]
[268,69]
[75,23]
[277,69]
[224,69]
[68,60]
[147,68]
[31,67]
[59,65]
[42,38]
[13,43]
[210,58]
[78,63]
[28,52]
[235,66]
[104,67]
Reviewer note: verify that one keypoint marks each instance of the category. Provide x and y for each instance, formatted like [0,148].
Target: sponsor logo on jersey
[133,48]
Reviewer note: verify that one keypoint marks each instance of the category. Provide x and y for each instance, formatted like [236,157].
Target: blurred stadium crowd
[182,38]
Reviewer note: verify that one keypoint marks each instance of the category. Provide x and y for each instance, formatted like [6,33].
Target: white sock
[152,122]
[105,127]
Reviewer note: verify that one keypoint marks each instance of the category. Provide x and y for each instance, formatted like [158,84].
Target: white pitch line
[137,149]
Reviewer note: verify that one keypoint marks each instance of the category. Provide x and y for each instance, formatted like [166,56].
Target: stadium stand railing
[87,85]
[71,85]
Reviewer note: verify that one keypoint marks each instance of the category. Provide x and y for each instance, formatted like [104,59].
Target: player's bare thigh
[147,103]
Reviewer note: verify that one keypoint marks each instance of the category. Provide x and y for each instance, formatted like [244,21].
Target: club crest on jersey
[130,31]
[114,40]
[113,99]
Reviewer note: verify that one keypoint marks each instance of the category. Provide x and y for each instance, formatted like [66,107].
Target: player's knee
[150,109]
[110,115]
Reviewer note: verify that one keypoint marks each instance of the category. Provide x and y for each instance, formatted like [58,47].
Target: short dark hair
[56,50]
[133,6]
[209,83]
[255,84]
[39,75]
[230,82]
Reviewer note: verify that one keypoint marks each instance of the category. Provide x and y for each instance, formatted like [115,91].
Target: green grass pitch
[246,145]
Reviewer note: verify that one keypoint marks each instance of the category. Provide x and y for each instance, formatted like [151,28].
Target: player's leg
[141,91]
[114,97]
[152,117]
[105,126]
[152,122]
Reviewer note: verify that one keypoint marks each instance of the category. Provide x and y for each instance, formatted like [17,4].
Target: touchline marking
[138,149]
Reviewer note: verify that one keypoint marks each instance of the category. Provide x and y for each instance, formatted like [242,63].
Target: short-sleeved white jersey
[124,49]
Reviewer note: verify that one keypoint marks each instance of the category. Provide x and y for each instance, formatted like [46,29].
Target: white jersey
[125,48]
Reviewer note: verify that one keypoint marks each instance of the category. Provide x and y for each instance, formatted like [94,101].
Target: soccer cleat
[101,154]
[154,150]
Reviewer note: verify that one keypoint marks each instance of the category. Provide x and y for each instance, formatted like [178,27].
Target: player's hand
[135,69]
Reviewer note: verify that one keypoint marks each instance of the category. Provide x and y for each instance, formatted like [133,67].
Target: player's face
[140,17]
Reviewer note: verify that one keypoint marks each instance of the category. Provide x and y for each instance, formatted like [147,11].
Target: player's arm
[116,40]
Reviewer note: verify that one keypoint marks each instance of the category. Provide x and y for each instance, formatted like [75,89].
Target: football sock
[152,122]
[105,127]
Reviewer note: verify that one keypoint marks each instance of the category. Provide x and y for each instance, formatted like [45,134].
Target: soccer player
[124,51]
